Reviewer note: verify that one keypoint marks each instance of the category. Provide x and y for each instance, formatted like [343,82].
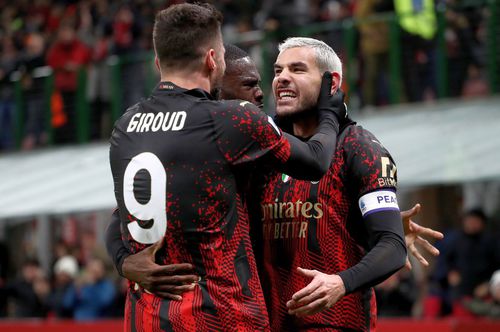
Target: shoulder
[359,141]
[129,113]
[368,160]
[358,136]
[236,106]
[243,113]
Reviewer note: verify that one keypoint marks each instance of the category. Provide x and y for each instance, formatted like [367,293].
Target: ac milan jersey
[319,226]
[179,161]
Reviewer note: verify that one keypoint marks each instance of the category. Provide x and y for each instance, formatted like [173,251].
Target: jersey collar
[171,87]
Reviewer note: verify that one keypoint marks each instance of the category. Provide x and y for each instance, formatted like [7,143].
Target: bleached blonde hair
[326,58]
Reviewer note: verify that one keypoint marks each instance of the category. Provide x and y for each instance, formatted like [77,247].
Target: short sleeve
[371,166]
[244,133]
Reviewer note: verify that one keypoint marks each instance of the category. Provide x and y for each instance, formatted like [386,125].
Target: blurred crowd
[79,41]
[80,284]
[66,36]
[464,281]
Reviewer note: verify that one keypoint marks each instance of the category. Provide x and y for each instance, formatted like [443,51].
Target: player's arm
[372,174]
[387,256]
[114,244]
[168,281]
[385,235]
[244,134]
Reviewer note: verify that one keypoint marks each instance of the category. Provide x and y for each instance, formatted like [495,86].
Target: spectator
[119,301]
[471,260]
[99,89]
[33,73]
[475,84]
[8,64]
[374,47]
[61,249]
[418,59]
[66,56]
[28,292]
[284,15]
[488,305]
[89,248]
[437,302]
[92,294]
[65,272]
[4,267]
[396,295]
[126,44]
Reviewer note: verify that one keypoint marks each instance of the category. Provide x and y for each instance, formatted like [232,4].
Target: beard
[285,121]
[299,115]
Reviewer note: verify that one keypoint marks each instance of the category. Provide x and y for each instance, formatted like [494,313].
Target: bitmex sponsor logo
[387,182]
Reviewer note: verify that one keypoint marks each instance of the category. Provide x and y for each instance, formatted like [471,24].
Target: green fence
[135,76]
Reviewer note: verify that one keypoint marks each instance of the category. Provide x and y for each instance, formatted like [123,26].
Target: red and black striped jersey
[179,161]
[319,226]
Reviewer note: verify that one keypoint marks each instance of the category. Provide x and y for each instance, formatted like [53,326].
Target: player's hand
[414,233]
[167,281]
[322,293]
[331,103]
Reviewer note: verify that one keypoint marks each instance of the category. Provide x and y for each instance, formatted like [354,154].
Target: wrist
[344,276]
[122,265]
[340,284]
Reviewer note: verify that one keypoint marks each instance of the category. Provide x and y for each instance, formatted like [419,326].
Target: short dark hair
[234,53]
[478,213]
[182,31]
[31,261]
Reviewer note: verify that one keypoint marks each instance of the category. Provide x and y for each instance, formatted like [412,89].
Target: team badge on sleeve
[380,200]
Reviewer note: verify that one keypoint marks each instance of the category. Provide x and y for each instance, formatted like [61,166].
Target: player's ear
[210,62]
[335,82]
[157,63]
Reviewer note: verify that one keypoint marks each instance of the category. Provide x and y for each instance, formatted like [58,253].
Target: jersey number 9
[154,209]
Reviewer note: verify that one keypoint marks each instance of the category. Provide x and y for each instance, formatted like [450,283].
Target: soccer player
[325,243]
[241,79]
[184,155]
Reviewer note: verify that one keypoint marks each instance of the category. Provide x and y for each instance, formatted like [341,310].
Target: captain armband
[380,200]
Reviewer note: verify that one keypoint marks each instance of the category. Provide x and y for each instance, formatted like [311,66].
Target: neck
[305,127]
[188,80]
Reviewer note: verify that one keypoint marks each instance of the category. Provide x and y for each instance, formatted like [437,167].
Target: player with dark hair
[180,160]
[241,79]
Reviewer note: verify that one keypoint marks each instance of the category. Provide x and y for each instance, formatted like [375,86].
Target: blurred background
[426,83]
